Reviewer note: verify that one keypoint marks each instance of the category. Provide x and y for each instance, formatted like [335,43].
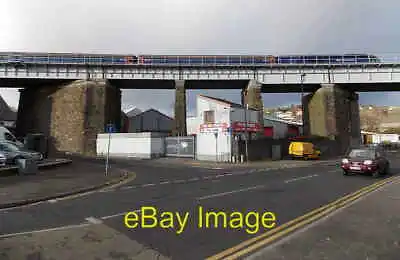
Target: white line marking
[228,174]
[230,192]
[164,182]
[148,185]
[208,177]
[217,168]
[93,220]
[332,171]
[301,178]
[194,179]
[179,181]
[219,175]
[45,230]
[52,201]
[119,214]
[127,187]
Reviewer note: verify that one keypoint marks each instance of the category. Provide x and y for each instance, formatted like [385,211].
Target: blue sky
[202,27]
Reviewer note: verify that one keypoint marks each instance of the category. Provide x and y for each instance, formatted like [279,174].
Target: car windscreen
[362,153]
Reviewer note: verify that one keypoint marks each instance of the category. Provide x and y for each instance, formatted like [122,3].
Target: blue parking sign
[110,128]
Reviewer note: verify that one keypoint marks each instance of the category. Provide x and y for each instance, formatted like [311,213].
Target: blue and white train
[184,60]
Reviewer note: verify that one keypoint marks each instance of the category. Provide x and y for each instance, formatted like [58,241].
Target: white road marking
[207,177]
[228,174]
[217,168]
[93,220]
[219,175]
[119,214]
[164,182]
[126,187]
[45,230]
[194,179]
[301,178]
[148,185]
[179,181]
[230,192]
[52,201]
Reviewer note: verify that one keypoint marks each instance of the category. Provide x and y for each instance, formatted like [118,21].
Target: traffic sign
[110,128]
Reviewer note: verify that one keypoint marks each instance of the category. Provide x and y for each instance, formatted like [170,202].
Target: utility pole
[246,133]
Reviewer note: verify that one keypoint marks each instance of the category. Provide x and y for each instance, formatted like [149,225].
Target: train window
[221,60]
[234,60]
[184,60]
[209,60]
[310,59]
[247,60]
[323,59]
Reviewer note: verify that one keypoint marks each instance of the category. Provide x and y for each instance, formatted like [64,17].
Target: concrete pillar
[179,127]
[70,115]
[252,96]
[333,112]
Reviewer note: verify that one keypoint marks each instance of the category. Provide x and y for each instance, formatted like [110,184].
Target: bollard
[241,158]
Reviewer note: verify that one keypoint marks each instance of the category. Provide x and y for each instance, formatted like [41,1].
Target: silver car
[12,152]
[3,159]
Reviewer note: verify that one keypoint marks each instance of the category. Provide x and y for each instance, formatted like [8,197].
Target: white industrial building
[216,122]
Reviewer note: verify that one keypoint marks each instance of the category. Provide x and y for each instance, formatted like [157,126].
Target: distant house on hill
[8,117]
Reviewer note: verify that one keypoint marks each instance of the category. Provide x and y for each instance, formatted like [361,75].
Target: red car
[366,161]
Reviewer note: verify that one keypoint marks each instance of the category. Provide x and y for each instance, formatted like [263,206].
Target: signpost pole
[246,133]
[216,146]
[109,130]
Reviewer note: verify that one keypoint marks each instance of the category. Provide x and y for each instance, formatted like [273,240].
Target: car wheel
[376,173]
[387,169]
[17,158]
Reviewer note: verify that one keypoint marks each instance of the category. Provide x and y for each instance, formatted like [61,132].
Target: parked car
[12,152]
[3,160]
[366,160]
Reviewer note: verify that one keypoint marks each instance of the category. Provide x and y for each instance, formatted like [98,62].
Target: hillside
[372,118]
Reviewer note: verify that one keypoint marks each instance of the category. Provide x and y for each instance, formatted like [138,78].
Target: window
[9,137]
[209,117]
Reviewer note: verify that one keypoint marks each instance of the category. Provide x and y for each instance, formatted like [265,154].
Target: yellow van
[305,150]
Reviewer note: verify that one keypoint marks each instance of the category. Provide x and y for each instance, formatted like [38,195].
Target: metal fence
[180,146]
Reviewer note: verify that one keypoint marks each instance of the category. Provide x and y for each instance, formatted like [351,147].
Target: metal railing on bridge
[193,60]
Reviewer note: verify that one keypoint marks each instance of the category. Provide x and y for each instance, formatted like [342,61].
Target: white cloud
[198,27]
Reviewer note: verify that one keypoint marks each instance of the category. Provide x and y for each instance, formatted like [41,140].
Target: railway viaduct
[71,103]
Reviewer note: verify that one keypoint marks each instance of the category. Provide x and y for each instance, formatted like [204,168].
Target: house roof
[282,121]
[133,112]
[153,110]
[224,101]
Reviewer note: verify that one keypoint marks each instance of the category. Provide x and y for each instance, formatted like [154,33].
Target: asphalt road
[288,193]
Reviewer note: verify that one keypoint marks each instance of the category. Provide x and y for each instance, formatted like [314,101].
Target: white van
[6,135]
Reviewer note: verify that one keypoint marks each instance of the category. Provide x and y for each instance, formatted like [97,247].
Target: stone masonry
[179,127]
[252,96]
[70,115]
[333,112]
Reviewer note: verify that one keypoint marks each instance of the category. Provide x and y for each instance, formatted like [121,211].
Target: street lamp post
[246,132]
[302,96]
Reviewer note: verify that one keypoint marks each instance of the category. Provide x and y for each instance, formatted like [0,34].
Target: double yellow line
[256,243]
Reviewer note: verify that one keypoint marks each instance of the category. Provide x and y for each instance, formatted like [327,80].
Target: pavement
[51,183]
[92,226]
[369,229]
